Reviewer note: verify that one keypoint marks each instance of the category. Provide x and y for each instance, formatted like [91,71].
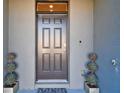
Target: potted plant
[10,81]
[91,85]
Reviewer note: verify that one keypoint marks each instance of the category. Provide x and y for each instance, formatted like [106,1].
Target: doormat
[52,90]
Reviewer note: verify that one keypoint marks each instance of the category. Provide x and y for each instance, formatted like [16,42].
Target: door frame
[67,41]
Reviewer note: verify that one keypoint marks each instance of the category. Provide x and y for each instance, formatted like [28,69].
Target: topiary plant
[92,67]
[11,76]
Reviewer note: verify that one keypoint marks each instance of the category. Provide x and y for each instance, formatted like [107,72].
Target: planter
[11,89]
[89,89]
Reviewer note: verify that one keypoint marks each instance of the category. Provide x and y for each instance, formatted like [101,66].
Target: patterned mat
[52,90]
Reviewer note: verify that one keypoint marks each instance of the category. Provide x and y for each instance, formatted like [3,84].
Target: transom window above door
[52,7]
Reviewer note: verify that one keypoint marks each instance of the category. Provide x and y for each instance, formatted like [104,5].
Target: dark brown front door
[52,61]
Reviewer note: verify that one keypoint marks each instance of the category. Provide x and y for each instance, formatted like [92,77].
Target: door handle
[64,45]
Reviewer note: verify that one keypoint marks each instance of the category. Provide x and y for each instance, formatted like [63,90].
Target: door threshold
[52,81]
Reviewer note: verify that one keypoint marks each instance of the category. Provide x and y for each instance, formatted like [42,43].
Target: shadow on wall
[106,43]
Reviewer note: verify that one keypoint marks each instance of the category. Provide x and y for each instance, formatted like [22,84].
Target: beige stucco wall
[81,28]
[5,33]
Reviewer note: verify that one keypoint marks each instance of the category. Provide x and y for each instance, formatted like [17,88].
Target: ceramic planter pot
[11,89]
[89,89]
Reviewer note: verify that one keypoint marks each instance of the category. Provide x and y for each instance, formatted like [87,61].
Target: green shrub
[92,67]
[11,76]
